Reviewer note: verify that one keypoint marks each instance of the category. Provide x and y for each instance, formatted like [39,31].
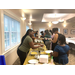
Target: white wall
[37,26]
[11,54]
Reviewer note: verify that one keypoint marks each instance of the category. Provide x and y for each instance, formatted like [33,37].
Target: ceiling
[38,14]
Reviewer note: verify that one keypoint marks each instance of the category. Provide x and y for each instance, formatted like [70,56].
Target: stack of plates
[49,51]
[33,61]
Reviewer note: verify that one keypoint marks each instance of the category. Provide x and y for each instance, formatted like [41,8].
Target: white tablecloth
[70,40]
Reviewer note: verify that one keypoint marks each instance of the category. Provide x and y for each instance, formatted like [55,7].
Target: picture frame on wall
[72,31]
[65,31]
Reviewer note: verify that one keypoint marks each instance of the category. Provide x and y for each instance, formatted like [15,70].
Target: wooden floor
[71,59]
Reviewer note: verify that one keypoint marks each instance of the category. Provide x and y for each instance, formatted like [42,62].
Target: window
[59,30]
[11,32]
[27,27]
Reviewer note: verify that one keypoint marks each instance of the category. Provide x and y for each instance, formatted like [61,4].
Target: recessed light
[43,20]
[55,15]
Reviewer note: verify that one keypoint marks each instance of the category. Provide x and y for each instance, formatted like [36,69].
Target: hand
[41,45]
[51,53]
[45,38]
[38,43]
[50,39]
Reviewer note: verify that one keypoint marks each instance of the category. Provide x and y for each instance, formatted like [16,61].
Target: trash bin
[2,60]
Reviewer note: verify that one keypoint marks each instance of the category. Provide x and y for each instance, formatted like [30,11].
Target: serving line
[33,57]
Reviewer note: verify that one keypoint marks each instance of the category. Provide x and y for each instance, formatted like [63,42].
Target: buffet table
[33,57]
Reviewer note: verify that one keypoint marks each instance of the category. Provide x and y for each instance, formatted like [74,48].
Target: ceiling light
[64,25]
[61,20]
[24,18]
[64,22]
[49,25]
[30,16]
[55,22]
[30,23]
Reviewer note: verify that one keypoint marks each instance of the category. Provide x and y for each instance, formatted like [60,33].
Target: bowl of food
[33,53]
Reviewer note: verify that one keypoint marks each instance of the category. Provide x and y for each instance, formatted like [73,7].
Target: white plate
[29,64]
[33,61]
[48,51]
[36,45]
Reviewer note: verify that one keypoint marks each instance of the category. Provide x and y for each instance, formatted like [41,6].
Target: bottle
[48,57]
[52,59]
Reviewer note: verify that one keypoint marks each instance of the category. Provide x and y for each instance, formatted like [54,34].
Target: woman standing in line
[26,44]
[61,51]
[47,42]
[55,38]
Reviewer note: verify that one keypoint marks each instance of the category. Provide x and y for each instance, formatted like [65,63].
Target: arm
[36,43]
[32,45]
[55,38]
[54,54]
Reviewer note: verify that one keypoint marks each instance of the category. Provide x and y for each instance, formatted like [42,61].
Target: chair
[2,60]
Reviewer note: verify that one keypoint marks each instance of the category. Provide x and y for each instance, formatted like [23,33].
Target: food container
[43,59]
[34,53]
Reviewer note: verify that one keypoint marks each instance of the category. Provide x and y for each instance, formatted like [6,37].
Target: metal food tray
[34,54]
[43,53]
[40,49]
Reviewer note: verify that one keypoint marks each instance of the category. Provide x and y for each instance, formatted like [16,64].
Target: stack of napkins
[43,59]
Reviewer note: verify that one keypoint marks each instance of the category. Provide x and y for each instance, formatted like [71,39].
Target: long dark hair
[27,33]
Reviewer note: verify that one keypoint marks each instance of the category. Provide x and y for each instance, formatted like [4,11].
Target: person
[42,34]
[36,34]
[26,44]
[61,51]
[54,40]
[47,42]
[51,32]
